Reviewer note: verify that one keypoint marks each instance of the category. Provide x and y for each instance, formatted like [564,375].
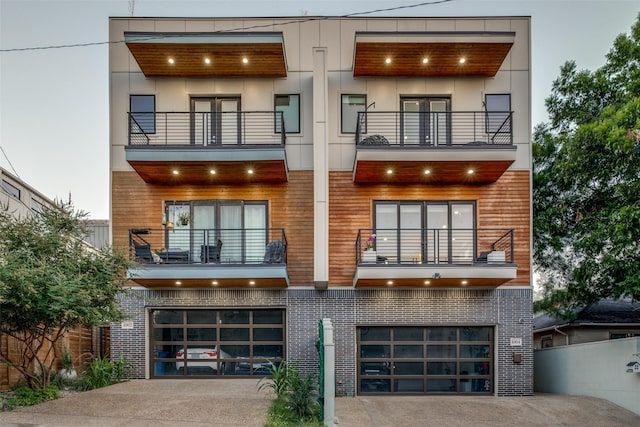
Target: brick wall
[509,310]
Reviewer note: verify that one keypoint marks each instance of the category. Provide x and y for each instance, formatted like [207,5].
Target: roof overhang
[401,54]
[188,166]
[454,276]
[218,54]
[436,166]
[194,276]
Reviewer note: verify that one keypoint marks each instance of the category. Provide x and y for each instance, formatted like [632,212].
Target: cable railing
[434,246]
[253,246]
[205,129]
[433,129]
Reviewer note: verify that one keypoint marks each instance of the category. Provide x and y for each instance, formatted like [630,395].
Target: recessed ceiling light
[425,60]
[214,283]
[463,60]
[245,60]
[387,61]
[250,171]
[427,282]
[470,172]
[389,171]
[171,61]
[178,282]
[464,282]
[212,171]
[427,171]
[390,282]
[175,172]
[252,283]
[207,61]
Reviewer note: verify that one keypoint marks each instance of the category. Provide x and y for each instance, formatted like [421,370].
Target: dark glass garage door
[210,343]
[425,360]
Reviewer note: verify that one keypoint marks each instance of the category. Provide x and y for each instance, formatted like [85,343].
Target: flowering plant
[370,241]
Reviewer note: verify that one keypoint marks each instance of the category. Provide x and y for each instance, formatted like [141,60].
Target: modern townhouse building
[267,173]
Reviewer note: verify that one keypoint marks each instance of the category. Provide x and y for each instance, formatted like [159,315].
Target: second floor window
[351,105]
[11,189]
[498,113]
[289,107]
[143,114]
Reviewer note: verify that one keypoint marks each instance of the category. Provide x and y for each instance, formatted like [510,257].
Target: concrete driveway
[235,402]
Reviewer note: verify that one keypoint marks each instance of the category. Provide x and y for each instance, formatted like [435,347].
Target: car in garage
[200,357]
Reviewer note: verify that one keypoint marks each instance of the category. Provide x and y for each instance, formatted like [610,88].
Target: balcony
[232,147]
[452,147]
[434,258]
[209,258]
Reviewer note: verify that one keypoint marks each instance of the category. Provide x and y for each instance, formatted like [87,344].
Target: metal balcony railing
[213,130]
[434,246]
[433,129]
[208,246]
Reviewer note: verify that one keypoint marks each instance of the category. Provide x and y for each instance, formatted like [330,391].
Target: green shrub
[295,403]
[24,396]
[102,372]
[277,379]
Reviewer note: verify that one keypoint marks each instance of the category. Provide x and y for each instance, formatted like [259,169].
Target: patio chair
[143,253]
[274,253]
[211,253]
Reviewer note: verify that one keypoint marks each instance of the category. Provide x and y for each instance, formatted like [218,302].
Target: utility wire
[253,27]
[9,161]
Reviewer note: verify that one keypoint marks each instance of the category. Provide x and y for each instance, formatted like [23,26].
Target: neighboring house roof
[605,311]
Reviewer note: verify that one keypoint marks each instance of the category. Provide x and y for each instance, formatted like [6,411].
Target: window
[351,106]
[143,114]
[498,109]
[36,206]
[433,232]
[289,108]
[623,334]
[240,226]
[546,341]
[11,189]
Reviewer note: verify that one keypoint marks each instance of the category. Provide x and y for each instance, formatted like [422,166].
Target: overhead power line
[253,27]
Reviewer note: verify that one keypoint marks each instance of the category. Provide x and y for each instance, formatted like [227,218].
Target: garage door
[211,343]
[425,360]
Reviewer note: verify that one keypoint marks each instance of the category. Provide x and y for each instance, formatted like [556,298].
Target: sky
[54,103]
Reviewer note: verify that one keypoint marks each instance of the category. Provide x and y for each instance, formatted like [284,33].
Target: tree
[50,281]
[586,184]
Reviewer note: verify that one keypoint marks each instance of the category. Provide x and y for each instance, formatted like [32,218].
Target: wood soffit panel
[199,173]
[270,283]
[413,172]
[433,283]
[225,52]
[397,56]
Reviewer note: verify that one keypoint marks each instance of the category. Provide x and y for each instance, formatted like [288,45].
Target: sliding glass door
[431,232]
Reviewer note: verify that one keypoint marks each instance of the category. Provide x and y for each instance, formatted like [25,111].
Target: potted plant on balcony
[369,254]
[183,218]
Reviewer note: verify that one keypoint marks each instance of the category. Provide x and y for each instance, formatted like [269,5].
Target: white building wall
[595,369]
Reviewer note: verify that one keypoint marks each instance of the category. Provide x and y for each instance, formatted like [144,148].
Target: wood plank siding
[503,204]
[136,204]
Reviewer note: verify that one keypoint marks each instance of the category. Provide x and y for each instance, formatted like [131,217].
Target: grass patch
[24,396]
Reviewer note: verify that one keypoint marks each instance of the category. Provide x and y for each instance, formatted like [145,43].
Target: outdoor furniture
[174,256]
[274,253]
[143,253]
[211,253]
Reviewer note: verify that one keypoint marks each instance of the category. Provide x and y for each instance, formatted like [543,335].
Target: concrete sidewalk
[236,402]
